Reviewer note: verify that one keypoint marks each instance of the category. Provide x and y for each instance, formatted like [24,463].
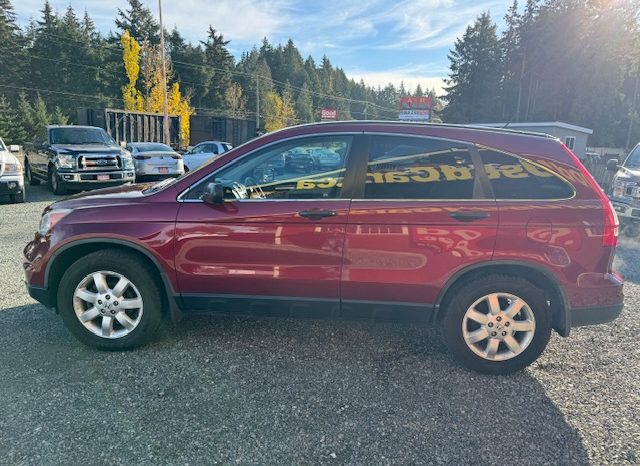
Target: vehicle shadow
[629,248]
[266,391]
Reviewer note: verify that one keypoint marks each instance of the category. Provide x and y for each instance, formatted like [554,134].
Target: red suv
[497,235]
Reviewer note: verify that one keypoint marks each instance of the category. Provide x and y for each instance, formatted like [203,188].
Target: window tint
[515,178]
[290,170]
[418,168]
[213,148]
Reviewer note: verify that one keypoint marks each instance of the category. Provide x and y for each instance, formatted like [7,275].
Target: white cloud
[409,77]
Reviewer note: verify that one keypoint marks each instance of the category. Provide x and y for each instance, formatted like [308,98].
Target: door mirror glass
[214,194]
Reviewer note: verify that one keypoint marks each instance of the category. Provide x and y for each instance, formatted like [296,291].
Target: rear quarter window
[512,177]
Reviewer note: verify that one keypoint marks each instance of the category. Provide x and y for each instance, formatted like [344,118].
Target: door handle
[317,214]
[468,216]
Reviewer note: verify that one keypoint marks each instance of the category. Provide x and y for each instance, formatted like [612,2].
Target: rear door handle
[468,216]
[317,214]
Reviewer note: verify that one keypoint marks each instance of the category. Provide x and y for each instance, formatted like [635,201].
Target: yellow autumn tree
[144,63]
[279,111]
[132,97]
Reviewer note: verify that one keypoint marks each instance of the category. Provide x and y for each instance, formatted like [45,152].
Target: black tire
[137,273]
[460,299]
[29,174]
[55,184]
[17,198]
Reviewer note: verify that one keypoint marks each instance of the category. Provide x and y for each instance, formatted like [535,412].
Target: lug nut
[493,334]
[497,318]
[99,302]
[113,312]
[504,334]
[490,324]
[506,324]
[108,297]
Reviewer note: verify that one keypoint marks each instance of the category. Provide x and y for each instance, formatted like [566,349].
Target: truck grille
[99,162]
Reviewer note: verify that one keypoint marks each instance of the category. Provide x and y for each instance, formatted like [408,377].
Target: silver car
[11,179]
[154,160]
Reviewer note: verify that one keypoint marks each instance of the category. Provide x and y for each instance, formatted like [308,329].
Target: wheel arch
[536,274]
[73,251]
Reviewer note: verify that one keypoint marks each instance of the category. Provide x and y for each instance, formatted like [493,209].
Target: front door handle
[468,216]
[317,214]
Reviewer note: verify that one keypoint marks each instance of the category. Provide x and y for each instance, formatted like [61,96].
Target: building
[575,137]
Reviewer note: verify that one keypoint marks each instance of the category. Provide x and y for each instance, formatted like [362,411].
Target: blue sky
[380,41]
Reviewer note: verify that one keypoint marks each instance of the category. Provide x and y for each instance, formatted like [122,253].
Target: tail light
[141,157]
[610,222]
[176,156]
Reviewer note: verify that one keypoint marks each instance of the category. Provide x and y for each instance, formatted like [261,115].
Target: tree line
[61,62]
[556,60]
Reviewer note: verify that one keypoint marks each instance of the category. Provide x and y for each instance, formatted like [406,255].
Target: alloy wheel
[498,326]
[108,304]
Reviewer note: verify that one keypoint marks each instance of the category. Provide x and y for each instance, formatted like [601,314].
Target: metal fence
[597,166]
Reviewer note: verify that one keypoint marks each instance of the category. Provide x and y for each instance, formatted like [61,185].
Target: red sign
[415,108]
[329,114]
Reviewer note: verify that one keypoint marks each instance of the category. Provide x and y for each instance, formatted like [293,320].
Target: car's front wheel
[110,300]
[56,185]
[497,324]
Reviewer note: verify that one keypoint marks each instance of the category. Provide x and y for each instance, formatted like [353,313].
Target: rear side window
[418,168]
[514,178]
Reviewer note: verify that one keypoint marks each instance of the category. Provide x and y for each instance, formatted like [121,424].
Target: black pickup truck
[75,158]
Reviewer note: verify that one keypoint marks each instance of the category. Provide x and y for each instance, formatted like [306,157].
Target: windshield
[153,147]
[80,136]
[633,159]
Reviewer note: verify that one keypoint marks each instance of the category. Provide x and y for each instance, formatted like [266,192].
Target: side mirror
[14,148]
[214,194]
[123,144]
[612,165]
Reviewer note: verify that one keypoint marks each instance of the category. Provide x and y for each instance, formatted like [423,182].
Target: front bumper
[97,178]
[11,184]
[626,209]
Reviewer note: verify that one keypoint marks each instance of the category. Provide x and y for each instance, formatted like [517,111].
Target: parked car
[299,159]
[497,236]
[325,158]
[625,192]
[204,152]
[75,158]
[154,160]
[11,178]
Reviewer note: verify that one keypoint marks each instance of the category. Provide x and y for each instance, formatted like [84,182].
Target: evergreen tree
[11,129]
[12,46]
[140,23]
[221,63]
[304,105]
[475,74]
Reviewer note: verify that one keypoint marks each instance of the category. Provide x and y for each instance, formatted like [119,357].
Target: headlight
[49,220]
[127,160]
[65,160]
[12,169]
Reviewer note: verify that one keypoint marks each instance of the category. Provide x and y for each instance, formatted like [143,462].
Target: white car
[203,153]
[154,160]
[11,177]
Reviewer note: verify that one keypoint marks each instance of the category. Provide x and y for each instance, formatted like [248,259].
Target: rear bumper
[595,315]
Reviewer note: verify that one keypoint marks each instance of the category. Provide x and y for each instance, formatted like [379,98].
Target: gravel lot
[278,391]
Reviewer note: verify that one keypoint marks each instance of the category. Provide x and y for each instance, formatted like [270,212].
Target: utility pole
[257,103]
[632,113]
[165,103]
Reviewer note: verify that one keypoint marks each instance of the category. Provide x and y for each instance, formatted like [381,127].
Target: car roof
[137,143]
[74,126]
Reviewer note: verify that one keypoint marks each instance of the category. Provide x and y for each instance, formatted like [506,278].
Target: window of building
[515,178]
[570,142]
[418,168]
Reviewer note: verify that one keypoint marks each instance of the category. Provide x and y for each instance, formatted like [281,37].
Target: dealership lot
[273,391]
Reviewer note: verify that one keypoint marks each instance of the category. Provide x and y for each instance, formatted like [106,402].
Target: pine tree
[11,129]
[12,46]
[221,62]
[140,23]
[475,74]
[304,105]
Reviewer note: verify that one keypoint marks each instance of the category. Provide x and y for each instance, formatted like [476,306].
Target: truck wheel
[29,175]
[497,324]
[17,198]
[54,182]
[110,301]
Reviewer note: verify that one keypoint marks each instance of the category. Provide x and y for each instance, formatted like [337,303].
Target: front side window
[515,178]
[570,142]
[288,170]
[418,168]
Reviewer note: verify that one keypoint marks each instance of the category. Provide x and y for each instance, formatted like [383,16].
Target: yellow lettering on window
[456,173]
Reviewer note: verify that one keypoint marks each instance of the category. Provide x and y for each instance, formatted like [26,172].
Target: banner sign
[415,109]
[329,114]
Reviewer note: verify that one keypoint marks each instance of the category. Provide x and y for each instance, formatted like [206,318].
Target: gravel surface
[278,391]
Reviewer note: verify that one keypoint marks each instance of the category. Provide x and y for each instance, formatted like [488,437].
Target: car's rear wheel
[29,174]
[110,300]
[496,324]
